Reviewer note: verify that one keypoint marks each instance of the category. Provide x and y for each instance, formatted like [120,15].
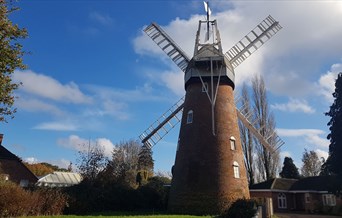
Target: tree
[311,164]
[124,164]
[10,58]
[334,161]
[145,165]
[246,136]
[289,170]
[267,161]
[91,161]
[42,169]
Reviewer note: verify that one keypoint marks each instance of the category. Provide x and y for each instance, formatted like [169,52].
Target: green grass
[123,216]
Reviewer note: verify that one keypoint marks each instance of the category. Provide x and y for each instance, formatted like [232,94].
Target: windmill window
[232,143]
[282,201]
[236,170]
[190,117]
[204,87]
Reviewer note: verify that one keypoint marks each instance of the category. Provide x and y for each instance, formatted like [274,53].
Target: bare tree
[124,164]
[267,161]
[91,161]
[311,164]
[246,136]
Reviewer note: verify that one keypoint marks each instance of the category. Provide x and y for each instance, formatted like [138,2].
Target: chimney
[1,137]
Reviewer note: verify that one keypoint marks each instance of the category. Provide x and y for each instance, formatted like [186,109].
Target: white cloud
[322,154]
[80,144]
[44,86]
[326,83]
[103,19]
[57,126]
[36,105]
[31,160]
[311,136]
[294,105]
[174,81]
[284,154]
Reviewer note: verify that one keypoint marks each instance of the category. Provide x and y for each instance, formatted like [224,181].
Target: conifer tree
[289,171]
[334,161]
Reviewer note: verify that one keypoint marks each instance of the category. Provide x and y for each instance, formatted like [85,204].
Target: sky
[94,77]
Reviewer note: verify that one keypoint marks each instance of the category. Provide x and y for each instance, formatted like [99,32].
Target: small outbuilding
[60,179]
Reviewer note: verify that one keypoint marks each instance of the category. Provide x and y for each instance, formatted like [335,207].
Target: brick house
[305,195]
[13,169]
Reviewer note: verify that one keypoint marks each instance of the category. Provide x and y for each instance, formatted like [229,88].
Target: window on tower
[236,170]
[190,117]
[232,143]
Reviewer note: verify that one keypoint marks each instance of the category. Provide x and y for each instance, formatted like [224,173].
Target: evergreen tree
[334,161]
[289,170]
[10,58]
[145,165]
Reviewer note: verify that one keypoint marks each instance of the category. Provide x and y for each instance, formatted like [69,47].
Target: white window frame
[236,170]
[282,202]
[329,200]
[190,117]
[232,143]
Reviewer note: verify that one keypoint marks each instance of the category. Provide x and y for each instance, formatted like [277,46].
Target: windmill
[209,171]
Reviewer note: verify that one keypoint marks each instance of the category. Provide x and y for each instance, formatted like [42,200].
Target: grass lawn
[123,216]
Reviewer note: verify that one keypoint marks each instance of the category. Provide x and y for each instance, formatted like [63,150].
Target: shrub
[241,208]
[15,201]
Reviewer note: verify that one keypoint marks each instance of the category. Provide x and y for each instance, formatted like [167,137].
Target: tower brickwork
[203,174]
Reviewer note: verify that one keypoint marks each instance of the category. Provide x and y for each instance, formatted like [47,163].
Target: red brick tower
[209,171]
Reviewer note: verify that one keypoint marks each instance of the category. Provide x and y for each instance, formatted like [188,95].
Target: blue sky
[94,76]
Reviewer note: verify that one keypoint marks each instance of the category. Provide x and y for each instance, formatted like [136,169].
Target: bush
[241,208]
[98,196]
[15,201]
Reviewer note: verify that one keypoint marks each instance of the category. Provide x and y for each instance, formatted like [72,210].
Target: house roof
[274,184]
[13,166]
[315,183]
[60,179]
[6,154]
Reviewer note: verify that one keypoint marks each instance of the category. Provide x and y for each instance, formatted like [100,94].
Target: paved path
[291,215]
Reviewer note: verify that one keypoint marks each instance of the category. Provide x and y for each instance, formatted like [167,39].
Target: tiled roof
[263,185]
[274,184]
[60,179]
[315,183]
[283,184]
[6,154]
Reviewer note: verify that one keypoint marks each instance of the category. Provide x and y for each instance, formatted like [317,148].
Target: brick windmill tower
[209,171]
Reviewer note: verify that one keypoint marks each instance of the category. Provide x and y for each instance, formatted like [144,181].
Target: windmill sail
[163,125]
[160,37]
[252,41]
